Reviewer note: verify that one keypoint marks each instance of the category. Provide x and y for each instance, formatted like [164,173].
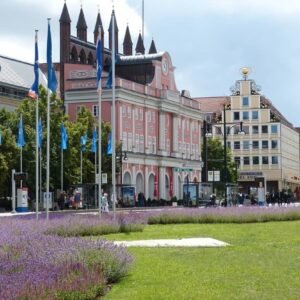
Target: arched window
[90,59]
[74,56]
[82,57]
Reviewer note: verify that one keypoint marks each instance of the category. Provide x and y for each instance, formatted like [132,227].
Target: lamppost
[225,133]
[241,132]
[120,156]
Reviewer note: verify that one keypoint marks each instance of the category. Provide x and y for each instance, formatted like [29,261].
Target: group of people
[74,200]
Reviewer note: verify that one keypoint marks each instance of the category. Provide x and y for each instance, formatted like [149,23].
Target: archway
[82,57]
[127,178]
[139,184]
[151,186]
[90,59]
[74,56]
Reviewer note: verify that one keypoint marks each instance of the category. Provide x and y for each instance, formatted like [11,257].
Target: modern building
[268,152]
[158,126]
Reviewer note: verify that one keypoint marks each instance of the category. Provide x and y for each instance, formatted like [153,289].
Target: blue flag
[34,90]
[109,148]
[99,60]
[52,81]
[40,132]
[94,141]
[21,140]
[109,78]
[64,137]
[83,140]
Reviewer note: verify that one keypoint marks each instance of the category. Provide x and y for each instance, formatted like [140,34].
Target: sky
[209,41]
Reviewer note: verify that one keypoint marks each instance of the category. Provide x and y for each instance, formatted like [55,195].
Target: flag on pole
[109,78]
[40,132]
[94,141]
[34,90]
[83,140]
[64,137]
[109,145]
[99,60]
[21,140]
[52,81]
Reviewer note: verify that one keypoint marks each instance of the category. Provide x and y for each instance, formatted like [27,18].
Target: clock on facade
[165,66]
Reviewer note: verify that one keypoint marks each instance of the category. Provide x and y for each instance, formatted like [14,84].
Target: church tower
[81,27]
[113,16]
[127,43]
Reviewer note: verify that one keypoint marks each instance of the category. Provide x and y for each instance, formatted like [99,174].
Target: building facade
[268,152]
[158,126]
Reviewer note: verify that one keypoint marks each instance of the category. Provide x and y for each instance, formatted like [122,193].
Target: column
[175,133]
[162,184]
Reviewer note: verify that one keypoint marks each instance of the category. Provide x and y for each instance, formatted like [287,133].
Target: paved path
[191,242]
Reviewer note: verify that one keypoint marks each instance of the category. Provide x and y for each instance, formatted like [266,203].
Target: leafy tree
[215,157]
[10,154]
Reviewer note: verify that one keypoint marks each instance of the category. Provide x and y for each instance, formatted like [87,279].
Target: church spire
[81,27]
[98,23]
[65,17]
[152,49]
[127,43]
[116,32]
[140,45]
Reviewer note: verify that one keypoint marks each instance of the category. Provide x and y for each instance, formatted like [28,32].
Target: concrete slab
[189,242]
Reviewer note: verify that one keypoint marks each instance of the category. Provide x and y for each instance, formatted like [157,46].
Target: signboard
[128,195]
[49,197]
[103,178]
[22,200]
[214,175]
[20,176]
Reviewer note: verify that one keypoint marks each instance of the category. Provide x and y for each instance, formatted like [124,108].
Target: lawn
[263,262]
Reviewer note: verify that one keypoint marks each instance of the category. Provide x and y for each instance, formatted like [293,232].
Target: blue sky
[208,40]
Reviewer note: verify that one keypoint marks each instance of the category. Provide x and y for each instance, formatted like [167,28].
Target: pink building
[158,126]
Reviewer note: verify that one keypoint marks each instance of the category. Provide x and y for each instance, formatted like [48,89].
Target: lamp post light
[120,156]
[241,132]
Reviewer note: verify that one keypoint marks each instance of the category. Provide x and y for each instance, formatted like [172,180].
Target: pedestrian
[104,203]
[77,199]
[61,200]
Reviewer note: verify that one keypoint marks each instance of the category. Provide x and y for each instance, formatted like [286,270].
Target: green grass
[263,262]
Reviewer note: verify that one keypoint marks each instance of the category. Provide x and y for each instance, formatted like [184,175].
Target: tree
[215,161]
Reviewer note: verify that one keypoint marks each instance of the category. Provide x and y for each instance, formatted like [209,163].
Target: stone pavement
[190,242]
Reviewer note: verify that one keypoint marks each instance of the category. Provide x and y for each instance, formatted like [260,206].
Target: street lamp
[120,156]
[241,132]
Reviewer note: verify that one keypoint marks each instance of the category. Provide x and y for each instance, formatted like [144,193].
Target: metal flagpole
[62,170]
[113,120]
[37,158]
[99,91]
[21,154]
[37,148]
[81,166]
[143,20]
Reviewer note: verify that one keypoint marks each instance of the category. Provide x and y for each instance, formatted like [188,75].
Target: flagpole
[21,154]
[48,141]
[113,120]
[37,147]
[62,171]
[99,91]
[37,159]
[95,163]
[81,166]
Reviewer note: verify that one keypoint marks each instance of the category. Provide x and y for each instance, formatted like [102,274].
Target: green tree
[215,161]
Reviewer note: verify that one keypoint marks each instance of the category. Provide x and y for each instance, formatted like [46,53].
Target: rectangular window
[246,145]
[255,144]
[237,160]
[236,116]
[255,129]
[245,101]
[264,129]
[274,160]
[274,129]
[228,144]
[95,110]
[246,160]
[245,115]
[218,130]
[255,160]
[246,129]
[255,115]
[237,145]
[274,144]
[265,144]
[265,160]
